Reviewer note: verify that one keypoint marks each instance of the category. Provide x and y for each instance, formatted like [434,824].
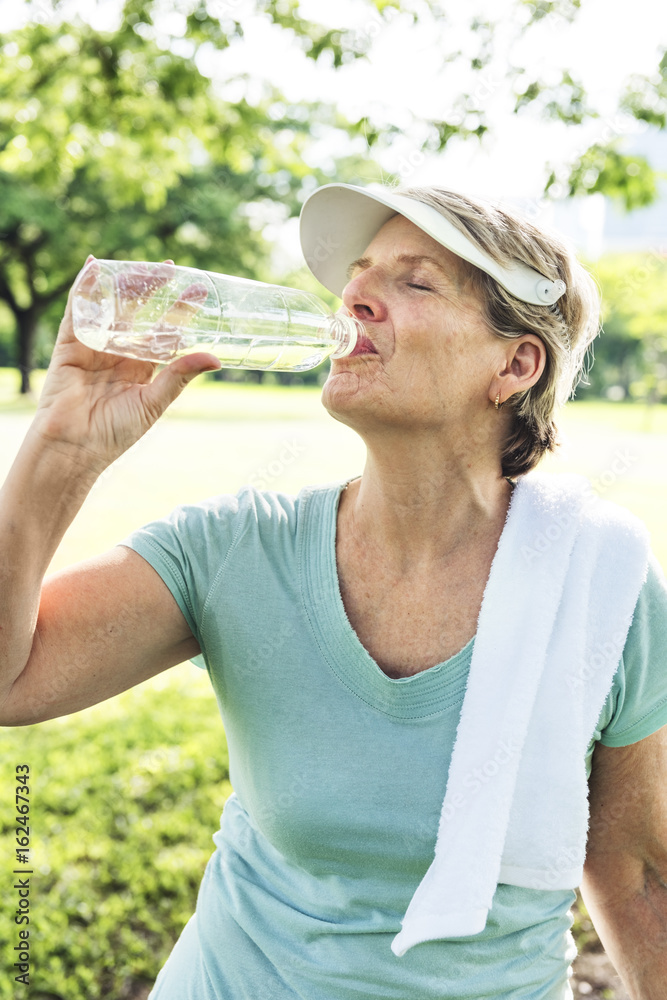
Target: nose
[363,298]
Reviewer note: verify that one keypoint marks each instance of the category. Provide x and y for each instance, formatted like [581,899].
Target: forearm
[629,910]
[42,494]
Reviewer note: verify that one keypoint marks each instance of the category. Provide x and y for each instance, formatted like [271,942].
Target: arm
[100,627]
[625,874]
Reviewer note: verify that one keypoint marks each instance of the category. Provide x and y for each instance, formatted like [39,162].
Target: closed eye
[423,288]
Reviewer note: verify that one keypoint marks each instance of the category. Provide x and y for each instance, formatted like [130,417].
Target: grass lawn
[218,436]
[126,795]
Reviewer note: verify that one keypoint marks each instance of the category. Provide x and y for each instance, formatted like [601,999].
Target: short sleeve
[188,550]
[640,686]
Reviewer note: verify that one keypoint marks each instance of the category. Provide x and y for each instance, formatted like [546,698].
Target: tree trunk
[26,322]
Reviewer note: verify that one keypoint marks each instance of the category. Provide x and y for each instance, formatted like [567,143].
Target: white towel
[552,626]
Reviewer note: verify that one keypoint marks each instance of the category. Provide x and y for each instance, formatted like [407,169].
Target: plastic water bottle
[157,312]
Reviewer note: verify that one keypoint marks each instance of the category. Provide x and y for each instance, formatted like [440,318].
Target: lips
[364,345]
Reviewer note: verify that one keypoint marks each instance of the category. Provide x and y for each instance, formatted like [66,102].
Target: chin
[340,392]
[346,380]
[348,400]
[353,382]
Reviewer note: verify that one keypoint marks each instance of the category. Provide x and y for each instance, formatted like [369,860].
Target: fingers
[185,308]
[196,292]
[137,287]
[87,276]
[171,381]
[142,280]
[84,281]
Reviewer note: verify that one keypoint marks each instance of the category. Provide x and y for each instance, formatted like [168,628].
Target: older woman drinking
[441,681]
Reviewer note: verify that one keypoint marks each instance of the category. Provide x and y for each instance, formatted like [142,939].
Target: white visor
[338,221]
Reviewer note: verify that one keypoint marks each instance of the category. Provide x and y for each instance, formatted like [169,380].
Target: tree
[631,353]
[115,143]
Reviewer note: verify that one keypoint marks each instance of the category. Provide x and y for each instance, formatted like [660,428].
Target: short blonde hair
[566,329]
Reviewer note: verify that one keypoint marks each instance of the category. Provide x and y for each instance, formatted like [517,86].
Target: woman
[341,632]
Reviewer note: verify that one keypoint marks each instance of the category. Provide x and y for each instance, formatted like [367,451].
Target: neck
[418,504]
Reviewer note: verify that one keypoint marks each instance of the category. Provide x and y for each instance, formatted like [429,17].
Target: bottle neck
[345,331]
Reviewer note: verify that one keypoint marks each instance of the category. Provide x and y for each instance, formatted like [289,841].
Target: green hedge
[125,798]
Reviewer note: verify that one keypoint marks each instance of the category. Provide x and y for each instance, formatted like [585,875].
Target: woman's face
[429,359]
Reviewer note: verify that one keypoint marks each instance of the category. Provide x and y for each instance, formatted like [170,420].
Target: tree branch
[7,294]
[55,293]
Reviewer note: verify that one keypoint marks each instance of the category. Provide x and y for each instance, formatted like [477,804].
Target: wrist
[45,487]
[68,461]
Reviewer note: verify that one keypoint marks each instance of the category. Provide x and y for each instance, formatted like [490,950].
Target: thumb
[170,382]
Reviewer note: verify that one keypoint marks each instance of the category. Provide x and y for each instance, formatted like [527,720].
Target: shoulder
[226,518]
[573,501]
[646,648]
[270,509]
[196,542]
[638,703]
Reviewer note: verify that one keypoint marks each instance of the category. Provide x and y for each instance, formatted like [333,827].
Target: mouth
[364,345]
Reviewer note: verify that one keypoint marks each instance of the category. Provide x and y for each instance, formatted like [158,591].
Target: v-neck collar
[425,693]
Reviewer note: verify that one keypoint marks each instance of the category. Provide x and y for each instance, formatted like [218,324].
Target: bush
[125,798]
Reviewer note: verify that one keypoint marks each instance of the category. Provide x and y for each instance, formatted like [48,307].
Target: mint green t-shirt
[339,773]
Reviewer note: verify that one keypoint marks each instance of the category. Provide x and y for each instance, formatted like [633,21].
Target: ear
[523,363]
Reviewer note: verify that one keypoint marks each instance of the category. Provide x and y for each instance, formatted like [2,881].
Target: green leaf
[629,179]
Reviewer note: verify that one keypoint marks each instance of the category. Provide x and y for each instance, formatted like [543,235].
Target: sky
[406,74]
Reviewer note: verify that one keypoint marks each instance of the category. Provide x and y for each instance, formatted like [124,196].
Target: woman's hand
[96,405]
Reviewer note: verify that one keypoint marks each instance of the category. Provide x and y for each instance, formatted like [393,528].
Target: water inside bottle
[244,324]
[257,346]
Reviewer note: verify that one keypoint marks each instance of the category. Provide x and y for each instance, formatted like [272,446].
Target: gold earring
[498,401]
